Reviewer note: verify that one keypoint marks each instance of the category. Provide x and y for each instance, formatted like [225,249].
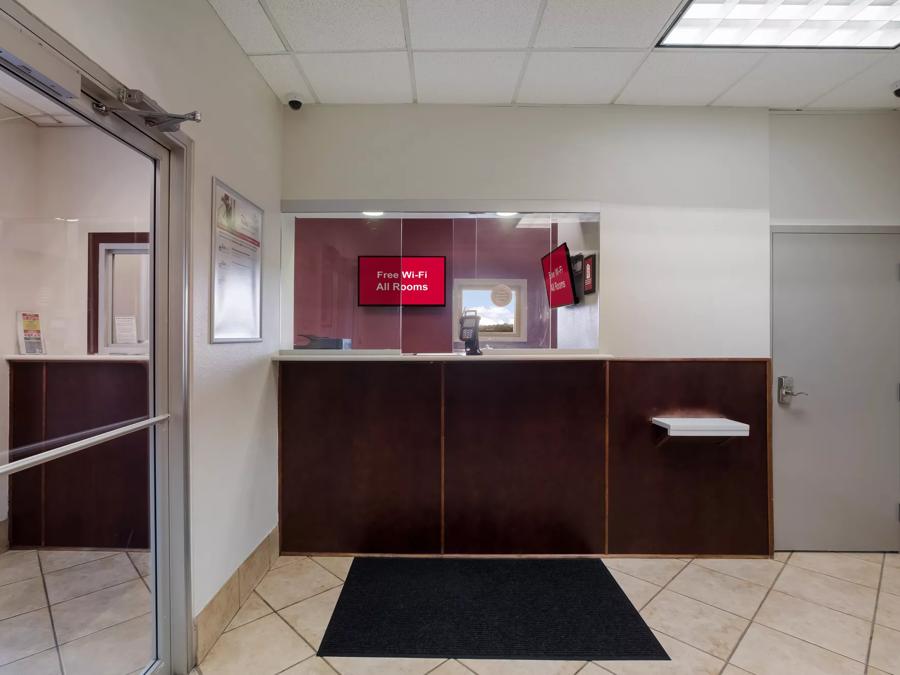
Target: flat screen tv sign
[558,277]
[392,281]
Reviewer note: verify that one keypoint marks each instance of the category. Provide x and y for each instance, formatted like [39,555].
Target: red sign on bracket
[393,281]
[558,277]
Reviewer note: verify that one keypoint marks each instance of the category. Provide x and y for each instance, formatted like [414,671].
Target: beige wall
[179,52]
[839,169]
[683,197]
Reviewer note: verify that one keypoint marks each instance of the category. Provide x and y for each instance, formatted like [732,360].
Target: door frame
[172,154]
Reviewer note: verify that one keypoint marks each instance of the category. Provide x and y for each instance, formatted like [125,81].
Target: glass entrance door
[86,351]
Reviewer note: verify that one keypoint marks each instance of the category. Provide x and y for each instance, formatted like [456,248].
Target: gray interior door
[836,450]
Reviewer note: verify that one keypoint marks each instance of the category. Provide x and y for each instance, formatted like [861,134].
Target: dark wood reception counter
[517,455]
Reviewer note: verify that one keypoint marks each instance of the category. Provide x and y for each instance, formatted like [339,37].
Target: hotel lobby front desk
[550,454]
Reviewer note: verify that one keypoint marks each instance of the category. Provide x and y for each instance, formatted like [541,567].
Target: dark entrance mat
[569,609]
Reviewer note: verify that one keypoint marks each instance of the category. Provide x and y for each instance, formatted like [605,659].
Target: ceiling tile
[283,76]
[670,77]
[471,24]
[369,77]
[467,77]
[792,79]
[332,25]
[604,23]
[249,24]
[872,88]
[577,77]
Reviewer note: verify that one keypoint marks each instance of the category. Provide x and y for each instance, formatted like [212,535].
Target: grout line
[407,37]
[753,618]
[141,576]
[50,613]
[309,557]
[875,612]
[431,670]
[100,630]
[732,576]
[538,19]
[87,562]
[831,576]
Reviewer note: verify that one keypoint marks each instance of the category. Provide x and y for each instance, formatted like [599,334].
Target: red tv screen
[558,277]
[393,280]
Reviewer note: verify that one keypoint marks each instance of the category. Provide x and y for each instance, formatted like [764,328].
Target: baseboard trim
[213,619]
[4,535]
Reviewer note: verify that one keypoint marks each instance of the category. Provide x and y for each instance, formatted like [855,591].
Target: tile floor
[74,612]
[802,613]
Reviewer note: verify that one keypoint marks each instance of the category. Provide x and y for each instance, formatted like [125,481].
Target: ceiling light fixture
[507,214]
[373,214]
[67,220]
[854,24]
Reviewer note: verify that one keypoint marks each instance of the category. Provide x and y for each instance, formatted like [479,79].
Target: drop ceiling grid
[346,51]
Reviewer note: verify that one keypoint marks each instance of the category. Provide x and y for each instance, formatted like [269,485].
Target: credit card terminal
[468,331]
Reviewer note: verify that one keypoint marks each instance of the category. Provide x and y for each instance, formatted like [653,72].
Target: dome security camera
[896,88]
[294,101]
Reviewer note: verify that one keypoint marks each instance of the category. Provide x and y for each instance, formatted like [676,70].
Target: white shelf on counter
[493,355]
[702,426]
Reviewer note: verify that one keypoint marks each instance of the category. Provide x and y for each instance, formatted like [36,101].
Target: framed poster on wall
[236,283]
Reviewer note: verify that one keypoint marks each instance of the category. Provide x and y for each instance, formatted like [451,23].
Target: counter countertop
[495,355]
[77,357]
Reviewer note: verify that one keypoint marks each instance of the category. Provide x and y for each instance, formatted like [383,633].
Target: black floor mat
[562,609]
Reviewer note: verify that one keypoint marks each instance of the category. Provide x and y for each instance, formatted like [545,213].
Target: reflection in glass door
[79,403]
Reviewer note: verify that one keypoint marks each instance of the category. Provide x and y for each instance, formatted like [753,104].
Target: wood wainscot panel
[360,467]
[524,461]
[688,495]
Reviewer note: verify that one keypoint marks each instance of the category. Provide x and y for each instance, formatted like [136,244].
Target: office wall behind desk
[540,457]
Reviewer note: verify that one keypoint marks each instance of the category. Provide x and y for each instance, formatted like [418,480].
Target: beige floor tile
[657,571]
[289,584]
[890,580]
[760,571]
[764,651]
[833,630]
[89,577]
[283,560]
[871,557]
[892,560]
[513,667]
[781,556]
[841,565]
[141,560]
[262,647]
[112,651]
[337,565]
[312,666]
[888,612]
[707,628]
[885,653]
[101,609]
[731,669]
[451,667]
[25,635]
[720,590]
[53,561]
[352,666]
[45,663]
[254,608]
[843,596]
[638,591]
[685,661]
[311,616]
[874,671]
[21,597]
[18,566]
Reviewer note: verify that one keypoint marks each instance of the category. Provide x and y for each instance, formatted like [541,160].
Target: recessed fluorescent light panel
[851,24]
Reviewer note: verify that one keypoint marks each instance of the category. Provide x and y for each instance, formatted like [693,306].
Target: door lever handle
[786,389]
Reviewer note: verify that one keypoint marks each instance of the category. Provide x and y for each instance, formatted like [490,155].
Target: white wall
[683,198]
[179,52]
[838,169]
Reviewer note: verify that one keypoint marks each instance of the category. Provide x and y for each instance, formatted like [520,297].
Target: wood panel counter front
[555,457]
